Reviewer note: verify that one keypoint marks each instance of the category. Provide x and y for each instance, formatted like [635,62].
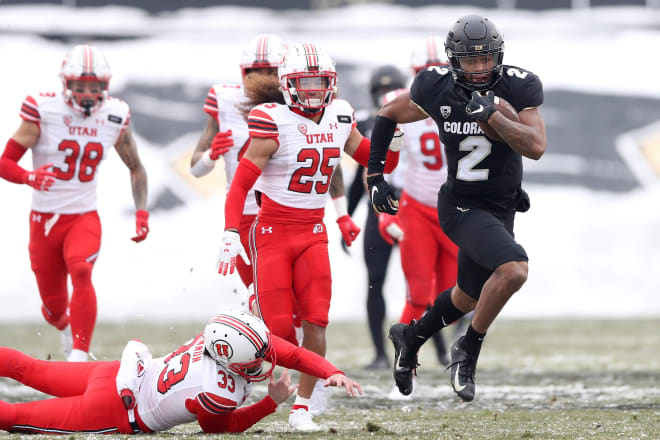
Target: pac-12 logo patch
[445,111]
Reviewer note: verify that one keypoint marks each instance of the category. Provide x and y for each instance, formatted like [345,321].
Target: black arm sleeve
[380,141]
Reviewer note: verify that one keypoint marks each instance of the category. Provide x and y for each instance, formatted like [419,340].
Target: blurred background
[592,233]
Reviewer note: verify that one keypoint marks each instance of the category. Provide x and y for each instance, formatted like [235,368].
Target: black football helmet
[383,80]
[474,35]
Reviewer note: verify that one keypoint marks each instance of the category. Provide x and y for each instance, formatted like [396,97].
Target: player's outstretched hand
[382,195]
[141,225]
[481,106]
[231,248]
[40,179]
[222,142]
[281,389]
[339,380]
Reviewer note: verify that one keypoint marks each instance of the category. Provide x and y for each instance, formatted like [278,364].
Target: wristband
[340,206]
[204,165]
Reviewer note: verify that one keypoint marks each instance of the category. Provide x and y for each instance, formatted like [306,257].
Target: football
[507,110]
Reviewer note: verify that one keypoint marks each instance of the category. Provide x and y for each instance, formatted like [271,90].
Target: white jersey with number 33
[298,174]
[187,373]
[75,145]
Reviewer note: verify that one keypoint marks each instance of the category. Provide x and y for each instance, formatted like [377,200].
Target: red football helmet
[85,76]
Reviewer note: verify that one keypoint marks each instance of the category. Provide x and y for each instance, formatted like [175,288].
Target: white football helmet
[308,78]
[85,63]
[240,342]
[430,52]
[263,51]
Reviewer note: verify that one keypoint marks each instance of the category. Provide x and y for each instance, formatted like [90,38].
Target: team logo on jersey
[302,128]
[67,120]
[344,119]
[318,228]
[140,368]
[445,111]
[113,118]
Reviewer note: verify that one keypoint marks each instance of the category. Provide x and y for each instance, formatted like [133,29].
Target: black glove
[382,195]
[481,106]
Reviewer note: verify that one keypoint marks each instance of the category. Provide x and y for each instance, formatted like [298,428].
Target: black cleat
[405,359]
[462,369]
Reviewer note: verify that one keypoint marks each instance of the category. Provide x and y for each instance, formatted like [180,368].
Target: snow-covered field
[591,253]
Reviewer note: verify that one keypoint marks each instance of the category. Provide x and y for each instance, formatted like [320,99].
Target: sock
[442,313]
[472,341]
[77,356]
[301,403]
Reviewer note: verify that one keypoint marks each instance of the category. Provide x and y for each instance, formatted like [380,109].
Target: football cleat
[405,359]
[395,394]
[462,369]
[301,420]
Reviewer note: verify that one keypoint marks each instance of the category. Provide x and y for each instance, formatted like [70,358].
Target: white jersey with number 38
[75,145]
[298,174]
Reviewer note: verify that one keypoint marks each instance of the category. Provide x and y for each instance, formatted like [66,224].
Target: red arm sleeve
[237,420]
[9,168]
[301,359]
[361,156]
[246,174]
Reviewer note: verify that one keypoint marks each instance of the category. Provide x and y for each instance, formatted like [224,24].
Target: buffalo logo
[223,349]
[67,120]
[445,111]
[302,128]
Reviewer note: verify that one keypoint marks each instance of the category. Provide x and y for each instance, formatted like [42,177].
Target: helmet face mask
[262,52]
[85,76]
[475,49]
[240,343]
[308,78]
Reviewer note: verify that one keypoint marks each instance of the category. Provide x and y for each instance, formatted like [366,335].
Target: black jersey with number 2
[482,172]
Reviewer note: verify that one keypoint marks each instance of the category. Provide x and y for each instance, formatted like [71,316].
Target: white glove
[397,140]
[134,361]
[231,247]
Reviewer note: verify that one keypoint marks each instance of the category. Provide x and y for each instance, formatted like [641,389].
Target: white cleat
[395,394]
[320,398]
[301,420]
[67,340]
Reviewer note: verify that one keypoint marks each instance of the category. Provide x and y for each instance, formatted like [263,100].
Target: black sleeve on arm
[356,190]
[380,142]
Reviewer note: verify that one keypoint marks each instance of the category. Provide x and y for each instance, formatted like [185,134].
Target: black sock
[472,341]
[441,314]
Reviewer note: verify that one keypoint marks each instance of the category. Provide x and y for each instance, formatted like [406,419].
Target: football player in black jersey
[477,204]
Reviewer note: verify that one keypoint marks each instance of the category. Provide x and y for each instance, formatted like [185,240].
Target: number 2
[479,148]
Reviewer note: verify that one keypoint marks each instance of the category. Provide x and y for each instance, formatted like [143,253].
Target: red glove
[141,225]
[222,142]
[389,227]
[40,179]
[349,230]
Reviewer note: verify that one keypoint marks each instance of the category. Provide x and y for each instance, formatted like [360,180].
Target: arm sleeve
[247,174]
[9,168]
[237,420]
[301,359]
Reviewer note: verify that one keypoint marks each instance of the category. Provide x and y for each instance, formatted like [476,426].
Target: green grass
[536,379]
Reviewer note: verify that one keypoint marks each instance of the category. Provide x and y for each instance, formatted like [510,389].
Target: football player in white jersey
[259,62]
[206,380]
[70,133]
[296,143]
